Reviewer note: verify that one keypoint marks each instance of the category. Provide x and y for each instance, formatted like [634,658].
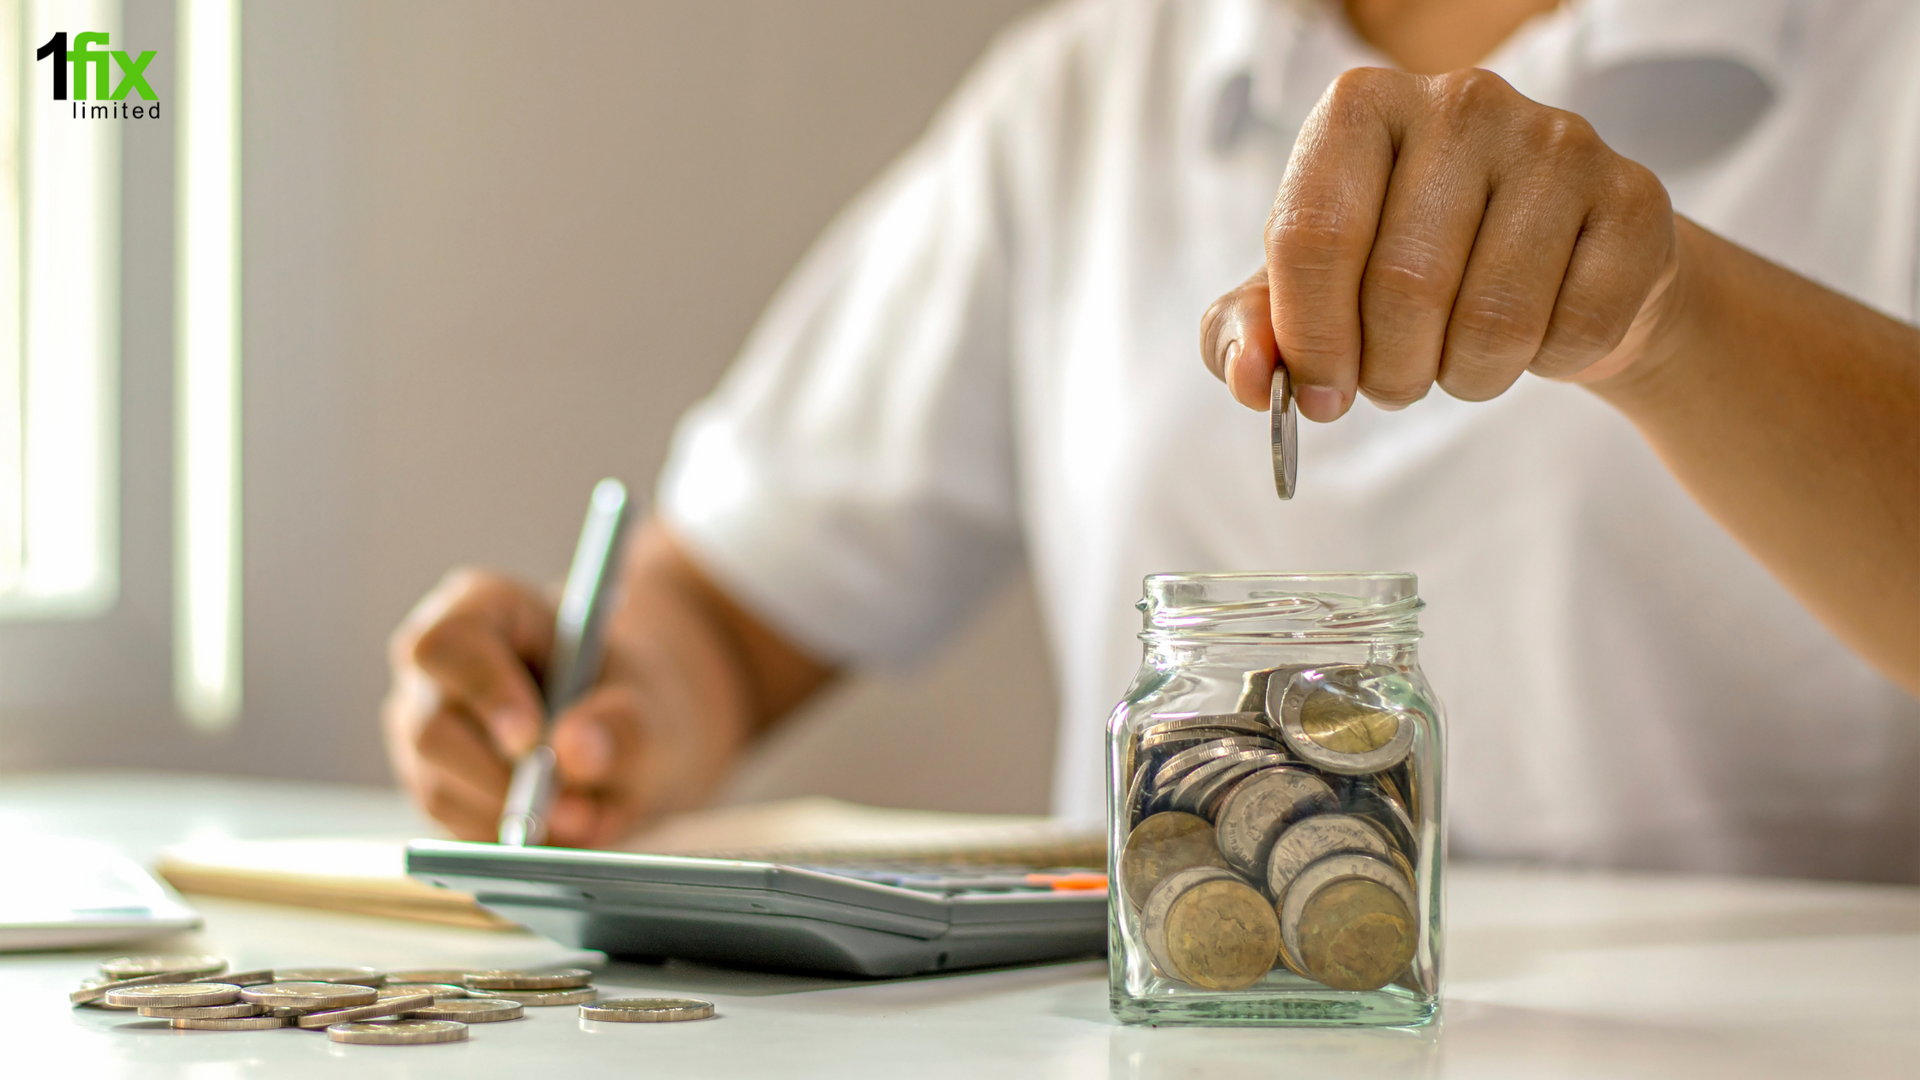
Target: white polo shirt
[994,355]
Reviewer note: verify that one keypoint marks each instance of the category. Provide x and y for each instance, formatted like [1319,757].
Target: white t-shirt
[994,354]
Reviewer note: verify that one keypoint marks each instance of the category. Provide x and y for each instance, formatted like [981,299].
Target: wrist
[1658,347]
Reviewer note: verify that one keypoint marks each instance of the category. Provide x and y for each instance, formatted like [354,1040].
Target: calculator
[866,920]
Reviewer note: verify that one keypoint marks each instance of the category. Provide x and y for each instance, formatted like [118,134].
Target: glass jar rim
[1253,607]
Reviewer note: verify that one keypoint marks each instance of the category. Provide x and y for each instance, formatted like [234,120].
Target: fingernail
[1227,358]
[1319,403]
[595,748]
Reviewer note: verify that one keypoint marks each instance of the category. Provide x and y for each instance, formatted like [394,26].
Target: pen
[575,659]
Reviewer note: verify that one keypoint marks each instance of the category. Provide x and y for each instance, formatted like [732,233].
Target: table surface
[1549,974]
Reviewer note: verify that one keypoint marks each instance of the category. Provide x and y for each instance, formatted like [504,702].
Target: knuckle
[1496,324]
[1302,231]
[1414,272]
[1562,135]
[1470,91]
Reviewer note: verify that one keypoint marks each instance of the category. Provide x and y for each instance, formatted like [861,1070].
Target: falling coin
[189,967]
[1162,845]
[398,1032]
[470,1010]
[647,1010]
[1281,424]
[1255,812]
[1222,935]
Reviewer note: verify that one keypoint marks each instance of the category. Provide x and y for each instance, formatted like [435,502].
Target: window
[59,330]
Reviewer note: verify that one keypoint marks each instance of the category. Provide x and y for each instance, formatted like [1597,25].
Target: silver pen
[575,660]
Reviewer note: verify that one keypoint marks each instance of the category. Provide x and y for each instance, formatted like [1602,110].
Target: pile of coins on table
[1283,833]
[353,1004]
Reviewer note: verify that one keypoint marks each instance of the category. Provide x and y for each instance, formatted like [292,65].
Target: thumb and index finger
[478,637]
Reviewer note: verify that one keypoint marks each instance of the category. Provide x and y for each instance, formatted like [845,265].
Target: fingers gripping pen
[575,660]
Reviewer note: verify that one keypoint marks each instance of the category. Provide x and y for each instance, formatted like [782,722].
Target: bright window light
[59,328]
[207,366]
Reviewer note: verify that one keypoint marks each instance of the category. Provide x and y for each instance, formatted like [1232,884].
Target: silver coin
[394,1006]
[544,998]
[201,1012]
[354,976]
[470,1010]
[310,995]
[561,979]
[438,976]
[398,1032]
[1363,799]
[99,989]
[1346,685]
[133,997]
[1137,797]
[1253,814]
[1186,791]
[440,991]
[1252,723]
[1253,690]
[1177,765]
[647,1010]
[1281,426]
[1309,841]
[1172,742]
[1208,799]
[240,978]
[1153,913]
[230,1023]
[1324,872]
[192,967]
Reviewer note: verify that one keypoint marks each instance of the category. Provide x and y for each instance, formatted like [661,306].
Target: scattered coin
[1222,935]
[357,976]
[440,991]
[449,976]
[201,1012]
[1255,812]
[87,995]
[562,979]
[471,1010]
[133,997]
[544,998]
[1162,845]
[398,1032]
[394,1006]
[128,967]
[239,978]
[647,1010]
[1315,838]
[232,1023]
[310,995]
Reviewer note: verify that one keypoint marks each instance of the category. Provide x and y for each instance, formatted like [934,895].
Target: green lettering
[81,57]
[136,75]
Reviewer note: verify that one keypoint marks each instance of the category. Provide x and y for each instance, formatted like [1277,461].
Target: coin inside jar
[1359,940]
[1207,796]
[1186,792]
[1153,913]
[1259,808]
[1162,845]
[1313,839]
[1179,764]
[1222,935]
[1334,721]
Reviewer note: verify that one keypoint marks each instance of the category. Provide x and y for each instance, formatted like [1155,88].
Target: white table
[1550,974]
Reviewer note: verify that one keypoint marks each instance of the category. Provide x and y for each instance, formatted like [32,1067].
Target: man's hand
[687,677]
[1445,230]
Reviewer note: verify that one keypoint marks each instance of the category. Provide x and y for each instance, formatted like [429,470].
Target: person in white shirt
[1660,256]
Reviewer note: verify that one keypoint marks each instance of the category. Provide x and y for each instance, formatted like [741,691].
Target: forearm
[1792,414]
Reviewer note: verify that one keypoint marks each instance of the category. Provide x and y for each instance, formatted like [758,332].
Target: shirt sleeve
[852,478]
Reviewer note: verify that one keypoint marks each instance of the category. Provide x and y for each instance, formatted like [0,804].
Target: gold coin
[1356,934]
[1162,845]
[1222,935]
[1343,725]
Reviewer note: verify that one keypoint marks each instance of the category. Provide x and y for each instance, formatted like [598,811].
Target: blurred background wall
[491,251]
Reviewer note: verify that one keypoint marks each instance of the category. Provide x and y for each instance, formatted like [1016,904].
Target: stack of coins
[353,1004]
[1281,834]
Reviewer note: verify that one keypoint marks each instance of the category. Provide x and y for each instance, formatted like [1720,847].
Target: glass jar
[1274,806]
